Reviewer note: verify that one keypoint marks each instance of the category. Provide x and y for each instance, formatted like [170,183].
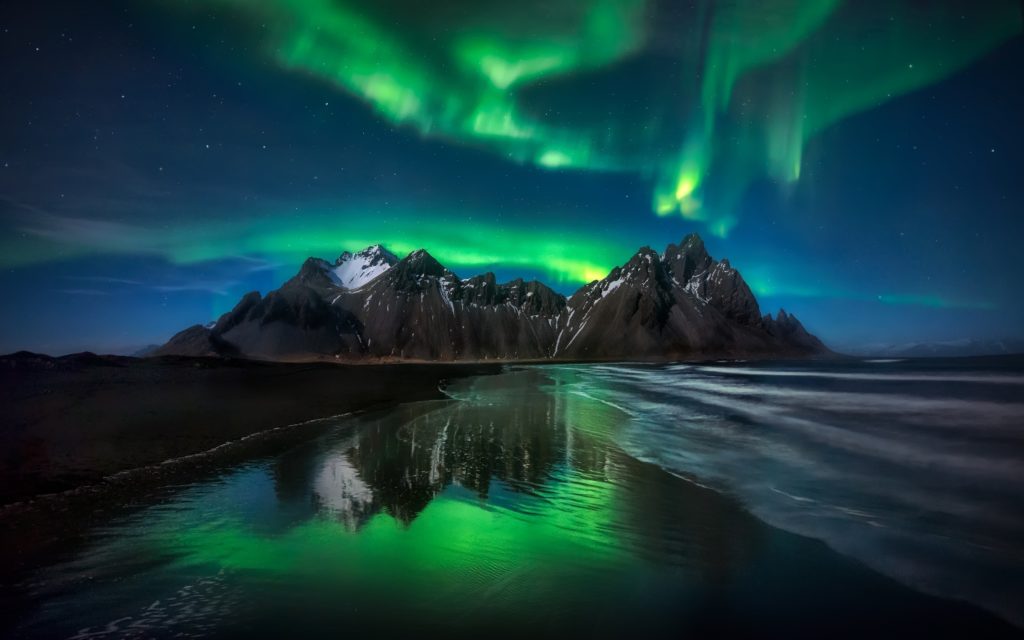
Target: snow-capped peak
[353,271]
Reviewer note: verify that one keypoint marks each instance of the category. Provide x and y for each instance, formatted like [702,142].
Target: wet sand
[513,509]
[69,422]
[85,437]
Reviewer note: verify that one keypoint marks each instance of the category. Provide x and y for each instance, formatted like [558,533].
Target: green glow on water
[523,543]
[511,508]
[451,540]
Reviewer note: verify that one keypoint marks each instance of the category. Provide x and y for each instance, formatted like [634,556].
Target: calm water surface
[562,500]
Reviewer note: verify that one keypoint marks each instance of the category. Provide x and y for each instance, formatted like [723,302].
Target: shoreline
[172,468]
[48,528]
[74,421]
[759,549]
[84,437]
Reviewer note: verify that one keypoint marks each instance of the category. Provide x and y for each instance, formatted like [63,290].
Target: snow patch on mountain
[611,286]
[354,271]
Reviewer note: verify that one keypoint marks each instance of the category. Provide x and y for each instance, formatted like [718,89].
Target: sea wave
[920,481]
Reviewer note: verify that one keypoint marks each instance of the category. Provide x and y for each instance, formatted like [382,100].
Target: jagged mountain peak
[645,254]
[370,304]
[644,271]
[724,288]
[375,253]
[692,242]
[644,263]
[417,270]
[688,259]
[356,270]
[420,262]
[787,328]
[314,271]
[533,297]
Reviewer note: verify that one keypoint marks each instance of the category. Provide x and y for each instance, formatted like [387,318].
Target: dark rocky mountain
[681,303]
[371,305]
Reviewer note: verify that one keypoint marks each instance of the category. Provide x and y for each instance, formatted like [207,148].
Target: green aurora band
[562,257]
[559,255]
[753,82]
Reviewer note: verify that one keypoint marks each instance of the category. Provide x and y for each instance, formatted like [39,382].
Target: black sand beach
[72,421]
[84,436]
[512,510]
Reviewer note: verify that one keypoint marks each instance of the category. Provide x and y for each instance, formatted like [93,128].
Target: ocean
[848,498]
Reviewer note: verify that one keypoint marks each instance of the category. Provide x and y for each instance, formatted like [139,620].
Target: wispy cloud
[98,235]
[253,264]
[220,288]
[105,280]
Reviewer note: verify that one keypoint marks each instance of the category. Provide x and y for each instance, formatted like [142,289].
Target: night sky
[860,162]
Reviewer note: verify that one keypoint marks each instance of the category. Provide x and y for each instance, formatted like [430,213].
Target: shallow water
[523,506]
[915,467]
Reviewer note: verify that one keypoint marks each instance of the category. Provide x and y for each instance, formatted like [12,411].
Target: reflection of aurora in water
[733,91]
[511,507]
[533,462]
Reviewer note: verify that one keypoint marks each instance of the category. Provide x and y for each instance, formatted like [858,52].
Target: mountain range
[371,305]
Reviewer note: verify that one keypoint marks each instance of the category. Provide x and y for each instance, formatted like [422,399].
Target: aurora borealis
[750,85]
[860,162]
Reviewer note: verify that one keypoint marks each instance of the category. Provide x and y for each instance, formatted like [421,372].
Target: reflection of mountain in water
[532,445]
[398,462]
[554,527]
[339,490]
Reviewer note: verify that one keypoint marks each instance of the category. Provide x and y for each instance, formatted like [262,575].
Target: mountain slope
[413,309]
[681,303]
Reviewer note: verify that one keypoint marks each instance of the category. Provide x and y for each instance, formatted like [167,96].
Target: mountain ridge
[370,305]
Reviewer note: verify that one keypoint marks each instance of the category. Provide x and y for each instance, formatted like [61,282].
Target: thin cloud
[215,287]
[105,279]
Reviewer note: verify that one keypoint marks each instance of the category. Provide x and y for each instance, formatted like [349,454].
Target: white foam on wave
[688,438]
[792,496]
[586,395]
[903,451]
[918,487]
[942,412]
[876,377]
